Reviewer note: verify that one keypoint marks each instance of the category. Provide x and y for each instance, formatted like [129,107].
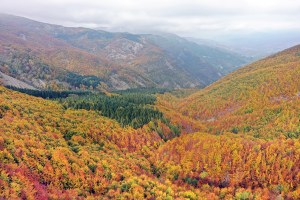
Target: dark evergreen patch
[128,109]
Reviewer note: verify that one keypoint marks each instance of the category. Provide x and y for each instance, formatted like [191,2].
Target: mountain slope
[261,99]
[119,60]
[47,151]
[8,80]
[252,117]
[230,166]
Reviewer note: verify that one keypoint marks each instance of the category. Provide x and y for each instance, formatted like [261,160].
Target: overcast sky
[195,18]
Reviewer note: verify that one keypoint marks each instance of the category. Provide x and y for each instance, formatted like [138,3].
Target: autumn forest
[70,133]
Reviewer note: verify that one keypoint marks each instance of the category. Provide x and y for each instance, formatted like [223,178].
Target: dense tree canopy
[236,139]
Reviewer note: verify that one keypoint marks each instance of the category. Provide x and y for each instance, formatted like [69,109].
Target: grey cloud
[188,17]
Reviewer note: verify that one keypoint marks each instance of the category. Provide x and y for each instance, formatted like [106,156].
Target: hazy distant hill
[45,55]
[261,44]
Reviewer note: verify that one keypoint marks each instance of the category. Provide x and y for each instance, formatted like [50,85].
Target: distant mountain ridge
[51,56]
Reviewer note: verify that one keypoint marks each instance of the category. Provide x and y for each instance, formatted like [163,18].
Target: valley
[250,151]
[90,114]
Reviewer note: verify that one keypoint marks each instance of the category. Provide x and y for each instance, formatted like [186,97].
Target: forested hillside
[252,117]
[261,100]
[51,56]
[236,139]
[149,100]
[231,166]
[47,151]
